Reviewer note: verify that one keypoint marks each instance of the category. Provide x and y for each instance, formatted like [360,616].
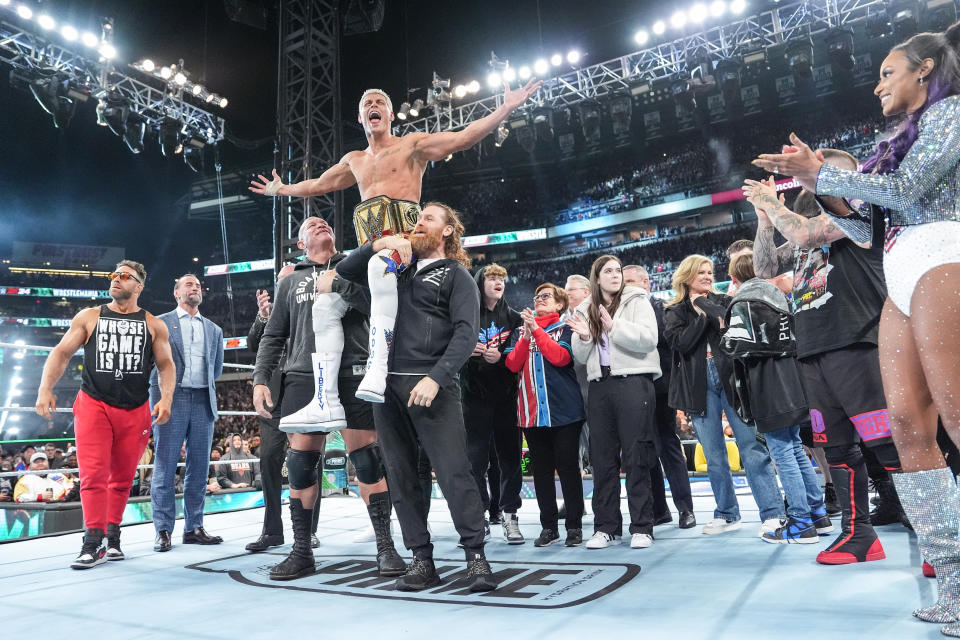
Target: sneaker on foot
[769,526]
[511,529]
[92,552]
[574,538]
[601,540]
[793,531]
[421,574]
[547,538]
[641,541]
[822,523]
[721,525]
[479,574]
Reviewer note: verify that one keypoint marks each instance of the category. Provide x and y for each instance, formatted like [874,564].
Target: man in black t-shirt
[838,295]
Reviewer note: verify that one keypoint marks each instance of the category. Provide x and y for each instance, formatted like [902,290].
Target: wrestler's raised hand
[267,187]
[514,98]
[395,243]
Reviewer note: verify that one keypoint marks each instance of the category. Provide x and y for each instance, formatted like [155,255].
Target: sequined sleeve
[935,152]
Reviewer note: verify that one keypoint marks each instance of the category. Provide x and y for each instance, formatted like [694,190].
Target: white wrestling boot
[324,412]
[382,273]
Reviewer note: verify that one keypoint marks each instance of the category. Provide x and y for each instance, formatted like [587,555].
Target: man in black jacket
[490,402]
[314,297]
[669,450]
[435,332]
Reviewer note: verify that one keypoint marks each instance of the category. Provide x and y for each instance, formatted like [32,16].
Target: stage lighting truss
[748,33]
[61,63]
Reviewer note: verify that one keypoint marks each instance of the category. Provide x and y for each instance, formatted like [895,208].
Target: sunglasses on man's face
[123,275]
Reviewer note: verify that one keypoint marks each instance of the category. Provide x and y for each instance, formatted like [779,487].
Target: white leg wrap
[325,412]
[382,277]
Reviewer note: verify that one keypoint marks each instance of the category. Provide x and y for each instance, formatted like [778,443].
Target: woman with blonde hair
[700,387]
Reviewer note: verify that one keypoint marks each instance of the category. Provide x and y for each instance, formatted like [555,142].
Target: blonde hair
[452,248]
[494,270]
[684,274]
[379,91]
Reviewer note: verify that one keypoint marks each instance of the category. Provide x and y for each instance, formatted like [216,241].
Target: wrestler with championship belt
[389,174]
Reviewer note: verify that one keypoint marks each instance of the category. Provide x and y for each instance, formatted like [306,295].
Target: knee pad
[368,461]
[848,454]
[886,454]
[302,468]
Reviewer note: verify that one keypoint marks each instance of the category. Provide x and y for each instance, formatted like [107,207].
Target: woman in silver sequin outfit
[915,177]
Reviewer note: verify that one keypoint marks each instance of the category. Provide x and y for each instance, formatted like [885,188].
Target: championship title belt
[382,216]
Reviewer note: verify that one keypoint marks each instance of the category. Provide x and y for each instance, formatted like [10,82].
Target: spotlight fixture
[473,86]
[840,48]
[460,91]
[905,16]
[494,80]
[193,154]
[404,110]
[543,122]
[89,39]
[540,67]
[717,8]
[799,57]
[179,78]
[196,89]
[166,73]
[523,72]
[556,59]
[416,107]
[69,33]
[55,97]
[642,37]
[108,51]
[940,14]
[509,75]
[678,20]
[169,137]
[573,57]
[133,129]
[728,77]
[659,27]
[148,65]
[222,103]
[24,12]
[698,13]
[738,6]
[501,135]
[46,22]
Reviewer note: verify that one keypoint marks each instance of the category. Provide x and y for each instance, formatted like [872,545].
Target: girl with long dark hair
[617,339]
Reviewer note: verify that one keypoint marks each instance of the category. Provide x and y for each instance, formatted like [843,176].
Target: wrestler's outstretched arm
[339,176]
[437,146]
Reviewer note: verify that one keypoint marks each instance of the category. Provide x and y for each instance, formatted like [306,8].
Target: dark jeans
[490,422]
[620,411]
[557,449]
[439,430]
[671,457]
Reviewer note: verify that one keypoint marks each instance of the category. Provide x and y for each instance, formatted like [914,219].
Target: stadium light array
[46,22]
[178,80]
[695,17]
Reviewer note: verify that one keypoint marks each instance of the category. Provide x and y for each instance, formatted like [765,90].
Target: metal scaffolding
[308,115]
[751,33]
[91,77]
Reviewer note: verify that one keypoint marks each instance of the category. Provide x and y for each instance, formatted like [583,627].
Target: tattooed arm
[769,260]
[805,233]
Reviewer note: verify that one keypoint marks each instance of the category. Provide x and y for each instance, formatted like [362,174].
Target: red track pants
[110,442]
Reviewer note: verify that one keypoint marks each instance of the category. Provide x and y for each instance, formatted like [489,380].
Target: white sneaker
[720,525]
[770,525]
[601,540]
[641,541]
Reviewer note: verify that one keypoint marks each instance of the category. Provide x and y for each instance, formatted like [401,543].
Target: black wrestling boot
[300,562]
[858,542]
[889,510]
[420,575]
[389,562]
[113,542]
[92,552]
[479,574]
